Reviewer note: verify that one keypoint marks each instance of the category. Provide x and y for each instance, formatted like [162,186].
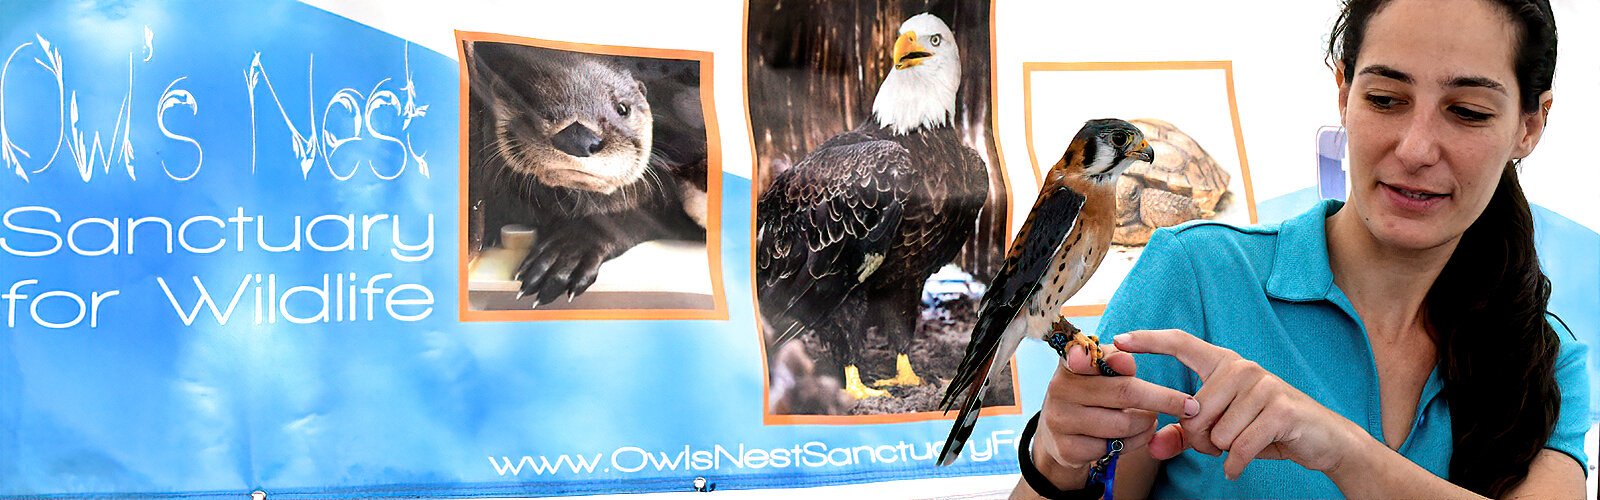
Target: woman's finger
[1073,450]
[1255,438]
[1141,439]
[1199,439]
[1200,356]
[1078,361]
[1214,400]
[1130,392]
[1104,423]
[1240,413]
[1168,442]
[1119,361]
[1217,397]
[1072,384]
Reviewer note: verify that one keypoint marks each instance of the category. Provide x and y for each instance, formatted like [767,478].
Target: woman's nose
[1419,141]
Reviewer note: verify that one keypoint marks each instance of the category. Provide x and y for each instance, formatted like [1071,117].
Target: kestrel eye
[935,40]
[622,109]
[1121,139]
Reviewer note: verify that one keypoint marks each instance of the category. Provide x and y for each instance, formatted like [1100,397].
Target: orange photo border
[1029,68]
[767,417]
[719,310]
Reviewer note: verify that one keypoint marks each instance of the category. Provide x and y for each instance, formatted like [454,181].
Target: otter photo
[881,204]
[586,181]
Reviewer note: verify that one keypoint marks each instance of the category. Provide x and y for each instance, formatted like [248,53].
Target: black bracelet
[1037,481]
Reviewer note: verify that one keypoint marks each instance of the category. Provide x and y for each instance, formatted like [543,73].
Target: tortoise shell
[1183,183]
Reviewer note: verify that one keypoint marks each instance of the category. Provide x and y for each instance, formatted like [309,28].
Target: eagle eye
[935,40]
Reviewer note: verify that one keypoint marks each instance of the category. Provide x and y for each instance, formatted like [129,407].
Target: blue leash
[1105,469]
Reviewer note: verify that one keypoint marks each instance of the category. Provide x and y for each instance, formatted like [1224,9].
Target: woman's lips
[1412,200]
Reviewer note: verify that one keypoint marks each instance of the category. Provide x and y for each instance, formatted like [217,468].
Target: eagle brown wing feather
[820,220]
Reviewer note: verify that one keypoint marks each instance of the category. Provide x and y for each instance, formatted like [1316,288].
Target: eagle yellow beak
[907,52]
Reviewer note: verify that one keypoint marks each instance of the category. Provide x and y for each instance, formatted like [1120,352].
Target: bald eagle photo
[848,235]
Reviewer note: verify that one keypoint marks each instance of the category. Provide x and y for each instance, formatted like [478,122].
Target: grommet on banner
[258,495]
[701,485]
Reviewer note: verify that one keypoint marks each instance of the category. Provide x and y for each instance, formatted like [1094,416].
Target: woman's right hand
[1083,410]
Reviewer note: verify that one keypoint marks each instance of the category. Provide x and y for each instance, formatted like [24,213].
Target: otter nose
[577,140]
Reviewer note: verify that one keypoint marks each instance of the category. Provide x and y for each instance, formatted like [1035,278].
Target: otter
[568,144]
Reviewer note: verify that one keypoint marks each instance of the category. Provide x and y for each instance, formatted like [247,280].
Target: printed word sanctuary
[35,231]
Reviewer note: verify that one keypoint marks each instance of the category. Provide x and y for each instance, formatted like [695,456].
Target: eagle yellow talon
[854,387]
[903,375]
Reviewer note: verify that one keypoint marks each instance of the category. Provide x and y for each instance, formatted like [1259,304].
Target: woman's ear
[1532,126]
[1344,89]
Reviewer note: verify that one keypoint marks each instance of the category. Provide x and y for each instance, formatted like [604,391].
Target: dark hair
[1487,308]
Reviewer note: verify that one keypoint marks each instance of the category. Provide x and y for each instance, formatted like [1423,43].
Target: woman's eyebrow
[1451,81]
[1474,81]
[1387,72]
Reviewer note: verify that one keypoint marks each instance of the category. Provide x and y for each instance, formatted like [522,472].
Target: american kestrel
[1058,247]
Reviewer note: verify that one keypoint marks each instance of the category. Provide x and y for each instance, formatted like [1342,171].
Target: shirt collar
[1300,271]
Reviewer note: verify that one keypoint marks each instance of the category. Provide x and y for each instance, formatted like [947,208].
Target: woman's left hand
[1245,410]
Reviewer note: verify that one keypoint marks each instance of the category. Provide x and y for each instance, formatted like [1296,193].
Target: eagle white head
[920,91]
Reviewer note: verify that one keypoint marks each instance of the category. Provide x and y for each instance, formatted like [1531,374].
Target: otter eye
[622,109]
[1120,139]
[935,40]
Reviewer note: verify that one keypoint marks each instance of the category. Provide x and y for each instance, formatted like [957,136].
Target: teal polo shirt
[1267,293]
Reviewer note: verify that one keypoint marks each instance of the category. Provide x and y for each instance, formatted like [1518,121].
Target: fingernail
[1120,338]
[1190,408]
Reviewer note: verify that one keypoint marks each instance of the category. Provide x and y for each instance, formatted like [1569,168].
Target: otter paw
[563,264]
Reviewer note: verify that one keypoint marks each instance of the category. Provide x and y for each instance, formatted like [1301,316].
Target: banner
[361,249]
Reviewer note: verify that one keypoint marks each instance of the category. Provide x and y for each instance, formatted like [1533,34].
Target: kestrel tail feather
[969,371]
[966,420]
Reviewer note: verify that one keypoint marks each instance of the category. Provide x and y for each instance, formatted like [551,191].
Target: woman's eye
[622,109]
[1470,115]
[1382,101]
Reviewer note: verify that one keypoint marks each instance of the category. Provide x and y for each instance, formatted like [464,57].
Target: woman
[1393,346]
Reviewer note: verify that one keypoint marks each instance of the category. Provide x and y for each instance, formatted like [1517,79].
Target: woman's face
[1433,117]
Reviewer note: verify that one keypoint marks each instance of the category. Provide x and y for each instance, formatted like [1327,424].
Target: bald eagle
[847,237]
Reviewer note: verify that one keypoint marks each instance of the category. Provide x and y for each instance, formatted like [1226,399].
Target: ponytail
[1497,351]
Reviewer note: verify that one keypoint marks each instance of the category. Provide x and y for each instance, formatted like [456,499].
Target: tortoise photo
[1183,183]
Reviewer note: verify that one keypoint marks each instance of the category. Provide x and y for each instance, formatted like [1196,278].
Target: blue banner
[244,247]
[232,261]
